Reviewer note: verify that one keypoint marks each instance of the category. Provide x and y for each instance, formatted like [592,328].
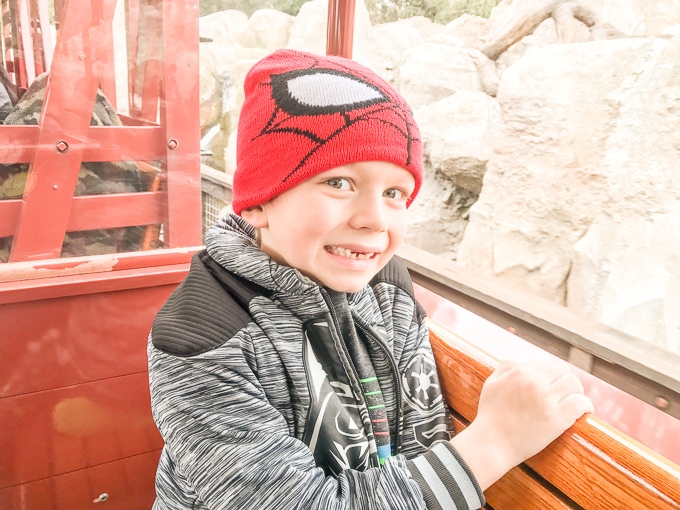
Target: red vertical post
[132,26]
[145,57]
[24,20]
[106,69]
[45,33]
[154,59]
[340,29]
[179,109]
[36,38]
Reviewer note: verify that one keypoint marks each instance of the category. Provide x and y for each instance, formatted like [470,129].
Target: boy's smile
[340,227]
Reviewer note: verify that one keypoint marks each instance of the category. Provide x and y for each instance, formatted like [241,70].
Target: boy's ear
[256,216]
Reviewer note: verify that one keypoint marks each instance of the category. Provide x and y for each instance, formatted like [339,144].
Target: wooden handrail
[592,465]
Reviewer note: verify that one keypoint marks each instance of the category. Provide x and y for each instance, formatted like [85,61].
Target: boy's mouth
[344,252]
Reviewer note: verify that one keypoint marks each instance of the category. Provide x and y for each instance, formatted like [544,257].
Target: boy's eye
[395,193]
[339,183]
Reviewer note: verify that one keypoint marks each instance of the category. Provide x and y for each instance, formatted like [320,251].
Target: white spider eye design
[312,90]
[323,91]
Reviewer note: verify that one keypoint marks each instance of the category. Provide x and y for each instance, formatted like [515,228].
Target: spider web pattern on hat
[321,113]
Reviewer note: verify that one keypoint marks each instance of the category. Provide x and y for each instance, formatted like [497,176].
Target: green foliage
[381,11]
[385,11]
[441,11]
[448,10]
[291,7]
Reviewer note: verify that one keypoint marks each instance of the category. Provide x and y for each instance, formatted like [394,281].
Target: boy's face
[339,227]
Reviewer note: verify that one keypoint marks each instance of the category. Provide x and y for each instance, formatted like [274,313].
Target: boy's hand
[523,407]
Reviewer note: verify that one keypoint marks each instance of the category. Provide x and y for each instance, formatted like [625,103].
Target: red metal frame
[74,394]
[75,402]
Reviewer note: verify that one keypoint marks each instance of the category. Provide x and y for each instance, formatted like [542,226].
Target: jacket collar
[231,242]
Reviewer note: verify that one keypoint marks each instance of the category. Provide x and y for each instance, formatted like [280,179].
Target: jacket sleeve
[444,478]
[442,475]
[227,447]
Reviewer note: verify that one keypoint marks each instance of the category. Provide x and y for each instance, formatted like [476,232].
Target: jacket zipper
[397,380]
[348,359]
[386,351]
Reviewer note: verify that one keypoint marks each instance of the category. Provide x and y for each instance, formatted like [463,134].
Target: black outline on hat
[292,107]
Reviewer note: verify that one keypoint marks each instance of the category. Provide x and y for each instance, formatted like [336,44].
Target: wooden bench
[591,466]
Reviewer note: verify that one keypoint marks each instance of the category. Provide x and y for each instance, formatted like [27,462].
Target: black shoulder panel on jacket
[396,273]
[205,310]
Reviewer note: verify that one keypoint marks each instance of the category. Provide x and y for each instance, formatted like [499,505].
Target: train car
[103,199]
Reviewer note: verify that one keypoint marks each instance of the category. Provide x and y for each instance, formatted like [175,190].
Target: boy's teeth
[344,252]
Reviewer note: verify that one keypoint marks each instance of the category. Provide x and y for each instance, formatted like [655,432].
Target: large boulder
[268,29]
[448,69]
[225,29]
[589,143]
[626,272]
[391,40]
[457,132]
[466,31]
[639,17]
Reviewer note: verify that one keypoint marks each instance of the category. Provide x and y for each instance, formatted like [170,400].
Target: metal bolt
[62,146]
[55,186]
[661,402]
[172,144]
[102,497]
[81,56]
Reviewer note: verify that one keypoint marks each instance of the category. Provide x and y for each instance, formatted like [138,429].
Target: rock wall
[554,166]
[580,200]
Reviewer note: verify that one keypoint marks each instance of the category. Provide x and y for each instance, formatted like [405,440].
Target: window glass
[99,151]
[550,147]
[549,164]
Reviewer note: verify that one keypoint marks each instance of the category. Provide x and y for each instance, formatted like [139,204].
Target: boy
[292,368]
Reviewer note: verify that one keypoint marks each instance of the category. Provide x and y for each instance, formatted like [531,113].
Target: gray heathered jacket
[259,402]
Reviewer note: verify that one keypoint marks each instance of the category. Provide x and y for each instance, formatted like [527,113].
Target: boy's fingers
[574,406]
[547,372]
[566,385]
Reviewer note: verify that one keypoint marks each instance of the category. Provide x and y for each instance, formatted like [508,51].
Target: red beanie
[304,114]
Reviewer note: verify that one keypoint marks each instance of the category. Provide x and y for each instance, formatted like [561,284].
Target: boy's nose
[370,212]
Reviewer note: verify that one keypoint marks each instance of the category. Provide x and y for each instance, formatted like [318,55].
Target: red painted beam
[340,29]
[102,143]
[97,212]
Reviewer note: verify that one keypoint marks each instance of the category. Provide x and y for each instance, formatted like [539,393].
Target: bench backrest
[591,466]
